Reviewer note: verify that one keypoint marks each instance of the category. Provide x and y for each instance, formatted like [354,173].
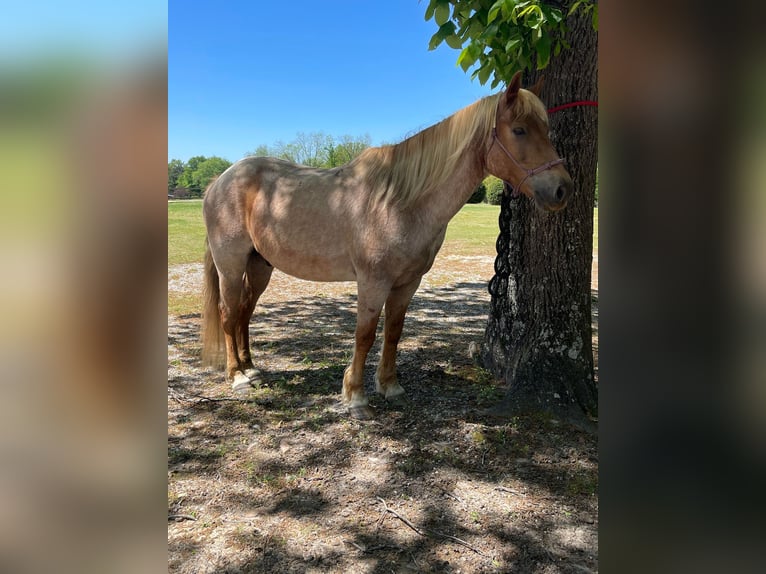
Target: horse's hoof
[393,392]
[241,386]
[361,412]
[255,376]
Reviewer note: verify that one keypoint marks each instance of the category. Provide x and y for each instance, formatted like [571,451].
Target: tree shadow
[307,344]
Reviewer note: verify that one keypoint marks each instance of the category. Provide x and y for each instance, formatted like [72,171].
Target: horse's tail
[212,329]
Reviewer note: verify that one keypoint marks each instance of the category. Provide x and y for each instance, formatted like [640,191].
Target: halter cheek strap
[529,172]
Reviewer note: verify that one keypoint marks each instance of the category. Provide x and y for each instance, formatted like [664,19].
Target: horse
[378,220]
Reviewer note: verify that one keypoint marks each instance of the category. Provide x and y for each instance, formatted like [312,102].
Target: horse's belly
[312,267]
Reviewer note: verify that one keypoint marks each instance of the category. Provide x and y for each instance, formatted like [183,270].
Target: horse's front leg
[396,307]
[369,305]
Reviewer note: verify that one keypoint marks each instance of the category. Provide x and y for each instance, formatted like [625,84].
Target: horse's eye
[519,131]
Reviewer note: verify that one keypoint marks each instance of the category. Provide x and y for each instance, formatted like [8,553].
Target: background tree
[209,169]
[538,336]
[175,169]
[198,172]
[316,149]
[186,179]
[347,149]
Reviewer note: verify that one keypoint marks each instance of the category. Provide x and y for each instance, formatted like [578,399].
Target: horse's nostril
[560,193]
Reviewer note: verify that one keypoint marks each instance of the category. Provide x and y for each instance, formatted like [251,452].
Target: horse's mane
[404,172]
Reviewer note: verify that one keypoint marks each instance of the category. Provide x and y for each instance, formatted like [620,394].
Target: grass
[473,230]
[186,232]
[595,229]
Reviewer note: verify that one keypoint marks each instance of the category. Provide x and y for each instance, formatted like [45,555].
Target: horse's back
[299,219]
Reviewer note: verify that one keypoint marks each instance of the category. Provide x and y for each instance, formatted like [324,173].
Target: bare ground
[286,482]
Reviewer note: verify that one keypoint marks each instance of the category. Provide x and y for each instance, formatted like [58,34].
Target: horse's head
[521,153]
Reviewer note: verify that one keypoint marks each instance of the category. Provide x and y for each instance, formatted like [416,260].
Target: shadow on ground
[285,482]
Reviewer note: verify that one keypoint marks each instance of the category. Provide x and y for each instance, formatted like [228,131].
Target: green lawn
[186,232]
[473,231]
[595,229]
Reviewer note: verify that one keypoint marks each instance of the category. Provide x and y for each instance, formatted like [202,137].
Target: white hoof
[358,401]
[241,384]
[391,391]
[254,375]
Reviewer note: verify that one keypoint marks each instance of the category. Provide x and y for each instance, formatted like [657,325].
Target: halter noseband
[529,172]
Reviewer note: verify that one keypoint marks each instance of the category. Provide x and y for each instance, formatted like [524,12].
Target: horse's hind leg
[232,263]
[257,278]
[396,307]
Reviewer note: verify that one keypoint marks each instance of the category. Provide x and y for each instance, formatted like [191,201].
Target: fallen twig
[461,542]
[512,491]
[448,493]
[399,516]
[195,398]
[371,549]
[180,517]
[380,520]
[428,533]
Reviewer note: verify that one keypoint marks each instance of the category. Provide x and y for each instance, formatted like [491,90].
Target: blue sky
[242,74]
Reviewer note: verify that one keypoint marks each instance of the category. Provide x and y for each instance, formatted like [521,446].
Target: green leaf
[594,17]
[512,44]
[432,8]
[454,41]
[494,11]
[442,33]
[475,28]
[490,32]
[435,41]
[529,10]
[543,48]
[442,13]
[551,14]
[469,56]
[484,73]
[464,60]
[575,6]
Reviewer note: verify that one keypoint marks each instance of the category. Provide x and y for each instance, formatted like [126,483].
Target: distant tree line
[194,175]
[316,149]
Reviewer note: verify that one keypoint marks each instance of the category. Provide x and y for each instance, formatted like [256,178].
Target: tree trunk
[538,336]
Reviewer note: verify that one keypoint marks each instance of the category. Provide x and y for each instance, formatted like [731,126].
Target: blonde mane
[404,172]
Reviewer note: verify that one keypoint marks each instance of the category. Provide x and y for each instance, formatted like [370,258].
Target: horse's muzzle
[551,190]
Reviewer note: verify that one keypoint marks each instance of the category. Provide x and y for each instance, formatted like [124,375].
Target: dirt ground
[286,482]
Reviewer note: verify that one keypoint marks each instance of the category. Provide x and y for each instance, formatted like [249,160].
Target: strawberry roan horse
[378,220]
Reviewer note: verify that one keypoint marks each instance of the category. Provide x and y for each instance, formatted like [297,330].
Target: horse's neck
[443,204]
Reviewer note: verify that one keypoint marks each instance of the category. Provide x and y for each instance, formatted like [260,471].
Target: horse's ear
[513,88]
[537,88]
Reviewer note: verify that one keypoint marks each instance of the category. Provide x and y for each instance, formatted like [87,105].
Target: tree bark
[538,336]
